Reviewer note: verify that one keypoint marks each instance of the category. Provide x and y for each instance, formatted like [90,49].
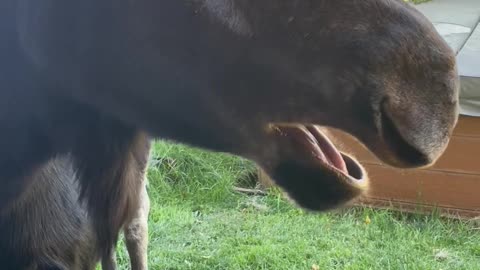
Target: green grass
[416,2]
[198,222]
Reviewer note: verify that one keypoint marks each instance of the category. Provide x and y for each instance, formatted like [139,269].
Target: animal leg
[136,232]
[112,163]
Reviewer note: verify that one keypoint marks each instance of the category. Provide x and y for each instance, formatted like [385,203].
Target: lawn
[416,2]
[198,222]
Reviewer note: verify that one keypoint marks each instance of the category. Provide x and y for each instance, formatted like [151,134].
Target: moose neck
[144,60]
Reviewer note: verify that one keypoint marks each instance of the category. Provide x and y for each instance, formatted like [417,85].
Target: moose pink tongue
[312,139]
[329,149]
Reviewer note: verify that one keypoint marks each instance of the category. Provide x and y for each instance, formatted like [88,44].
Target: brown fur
[49,227]
[80,77]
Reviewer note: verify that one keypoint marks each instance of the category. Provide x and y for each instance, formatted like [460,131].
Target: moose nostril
[408,154]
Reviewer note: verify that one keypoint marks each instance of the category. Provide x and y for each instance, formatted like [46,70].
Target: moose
[84,79]
[48,226]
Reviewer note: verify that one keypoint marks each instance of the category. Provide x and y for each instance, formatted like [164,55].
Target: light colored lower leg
[136,233]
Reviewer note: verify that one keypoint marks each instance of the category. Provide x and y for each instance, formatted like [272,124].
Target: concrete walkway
[458,21]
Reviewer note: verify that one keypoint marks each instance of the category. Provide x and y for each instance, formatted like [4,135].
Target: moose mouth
[310,139]
[311,169]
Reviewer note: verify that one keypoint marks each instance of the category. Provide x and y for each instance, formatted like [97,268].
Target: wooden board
[443,190]
[462,154]
[468,127]
[451,186]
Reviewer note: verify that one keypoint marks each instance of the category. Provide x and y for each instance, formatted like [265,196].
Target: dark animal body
[49,227]
[246,77]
